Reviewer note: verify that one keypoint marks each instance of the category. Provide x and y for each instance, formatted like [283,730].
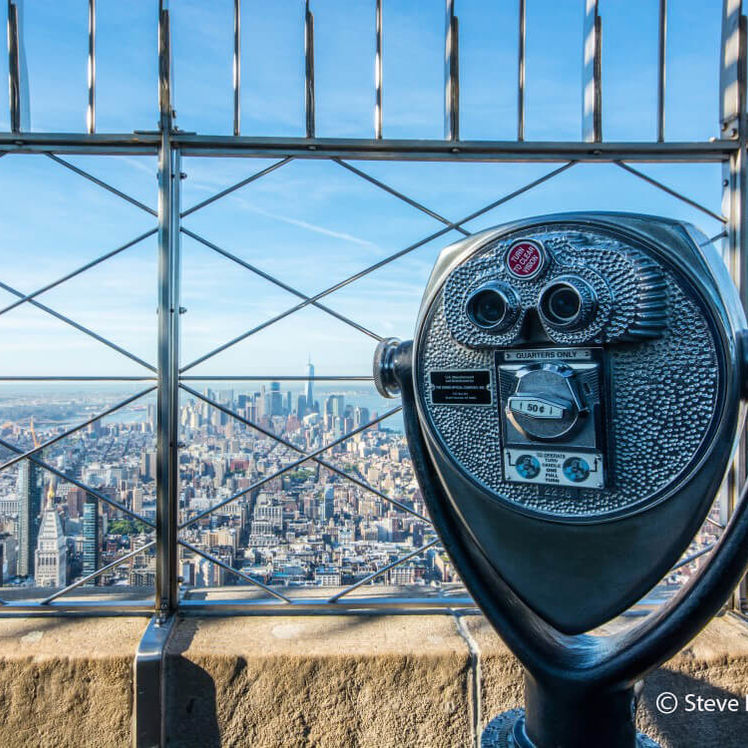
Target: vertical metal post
[451,74]
[91,112]
[661,61]
[237,65]
[734,205]
[167,474]
[592,121]
[14,68]
[378,75]
[521,72]
[309,67]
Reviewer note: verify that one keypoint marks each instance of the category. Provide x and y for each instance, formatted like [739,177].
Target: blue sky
[311,222]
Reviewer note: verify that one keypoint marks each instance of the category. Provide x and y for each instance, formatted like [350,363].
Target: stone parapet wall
[365,680]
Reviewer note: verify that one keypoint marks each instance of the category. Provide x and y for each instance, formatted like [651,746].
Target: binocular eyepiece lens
[563,303]
[567,304]
[493,307]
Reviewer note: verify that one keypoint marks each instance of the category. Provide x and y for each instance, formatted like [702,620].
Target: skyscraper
[51,558]
[90,538]
[29,489]
[276,399]
[310,387]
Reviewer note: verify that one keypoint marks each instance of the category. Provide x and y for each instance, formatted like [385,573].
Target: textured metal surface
[498,733]
[665,389]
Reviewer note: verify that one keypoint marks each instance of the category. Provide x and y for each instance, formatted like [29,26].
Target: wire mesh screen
[195,276]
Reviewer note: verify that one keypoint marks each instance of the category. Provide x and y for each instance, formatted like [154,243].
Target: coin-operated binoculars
[571,400]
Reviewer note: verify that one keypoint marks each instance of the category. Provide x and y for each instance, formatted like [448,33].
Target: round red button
[525,259]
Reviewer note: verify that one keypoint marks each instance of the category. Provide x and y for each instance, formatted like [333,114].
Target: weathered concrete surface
[337,681]
[67,681]
[328,681]
[714,665]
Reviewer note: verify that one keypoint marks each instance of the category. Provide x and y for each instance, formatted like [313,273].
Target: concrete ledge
[366,681]
[323,681]
[67,681]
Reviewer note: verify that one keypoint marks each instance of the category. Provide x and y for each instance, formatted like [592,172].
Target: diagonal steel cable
[117,562]
[78,326]
[670,191]
[80,426]
[70,479]
[101,183]
[234,187]
[253,268]
[232,570]
[377,265]
[697,554]
[395,193]
[711,240]
[304,458]
[79,270]
[379,572]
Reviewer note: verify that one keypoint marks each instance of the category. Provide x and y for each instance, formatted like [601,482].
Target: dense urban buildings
[307,526]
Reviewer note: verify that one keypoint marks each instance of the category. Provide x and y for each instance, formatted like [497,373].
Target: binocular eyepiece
[493,307]
[566,303]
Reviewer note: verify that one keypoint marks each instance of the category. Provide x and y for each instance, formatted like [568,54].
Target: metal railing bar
[309,70]
[14,68]
[97,573]
[101,183]
[76,379]
[377,265]
[78,271]
[304,458]
[13,609]
[592,74]
[70,479]
[232,570]
[77,326]
[377,605]
[522,39]
[381,571]
[237,65]
[661,79]
[521,46]
[399,195]
[249,146]
[378,73]
[451,74]
[684,562]
[91,112]
[670,191]
[277,378]
[272,279]
[80,426]
[236,186]
[714,522]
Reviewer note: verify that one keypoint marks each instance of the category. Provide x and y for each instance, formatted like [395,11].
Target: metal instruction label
[461,387]
[559,468]
[547,354]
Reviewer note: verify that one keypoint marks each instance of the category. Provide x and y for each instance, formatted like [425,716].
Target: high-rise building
[51,558]
[90,538]
[310,387]
[276,399]
[29,489]
[335,406]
